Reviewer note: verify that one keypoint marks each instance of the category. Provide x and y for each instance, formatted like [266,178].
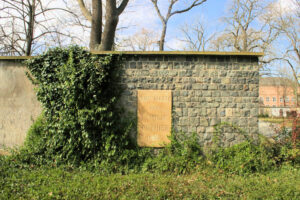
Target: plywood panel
[154,117]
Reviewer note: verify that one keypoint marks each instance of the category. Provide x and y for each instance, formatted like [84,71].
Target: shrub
[266,115]
[34,148]
[79,93]
[243,158]
[284,149]
[253,155]
[182,155]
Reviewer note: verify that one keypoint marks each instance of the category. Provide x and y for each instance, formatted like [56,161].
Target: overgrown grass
[247,170]
[206,183]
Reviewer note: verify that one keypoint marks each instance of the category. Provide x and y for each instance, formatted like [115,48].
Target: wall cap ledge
[180,53]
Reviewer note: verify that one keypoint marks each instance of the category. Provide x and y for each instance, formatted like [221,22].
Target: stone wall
[18,104]
[206,90]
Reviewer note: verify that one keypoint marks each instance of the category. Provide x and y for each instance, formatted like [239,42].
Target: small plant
[182,155]
[243,158]
[266,115]
[253,155]
[296,130]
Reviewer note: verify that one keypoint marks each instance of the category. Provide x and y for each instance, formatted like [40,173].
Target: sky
[140,14]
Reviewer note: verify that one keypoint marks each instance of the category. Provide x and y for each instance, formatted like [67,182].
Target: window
[274,99]
[267,99]
[281,99]
[287,99]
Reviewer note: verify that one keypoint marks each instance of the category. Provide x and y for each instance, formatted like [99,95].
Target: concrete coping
[192,53]
[15,57]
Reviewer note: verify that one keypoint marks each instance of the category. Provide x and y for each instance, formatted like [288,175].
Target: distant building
[277,96]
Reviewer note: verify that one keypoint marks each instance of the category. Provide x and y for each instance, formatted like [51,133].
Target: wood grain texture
[154,117]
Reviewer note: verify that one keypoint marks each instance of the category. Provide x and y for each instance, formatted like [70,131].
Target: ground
[67,183]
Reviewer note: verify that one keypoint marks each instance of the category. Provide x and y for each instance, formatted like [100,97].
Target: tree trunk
[29,36]
[98,40]
[111,22]
[162,37]
[245,40]
[96,31]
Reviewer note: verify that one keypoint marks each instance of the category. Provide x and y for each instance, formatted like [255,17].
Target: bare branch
[122,6]
[194,4]
[86,13]
[158,11]
[169,14]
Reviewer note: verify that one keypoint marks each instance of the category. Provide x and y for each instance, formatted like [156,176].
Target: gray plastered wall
[18,103]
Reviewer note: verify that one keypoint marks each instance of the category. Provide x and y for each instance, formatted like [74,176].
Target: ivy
[79,92]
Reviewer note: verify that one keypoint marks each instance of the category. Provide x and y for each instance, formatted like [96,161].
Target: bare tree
[245,30]
[288,83]
[103,40]
[164,19]
[195,36]
[25,24]
[287,23]
[248,29]
[143,40]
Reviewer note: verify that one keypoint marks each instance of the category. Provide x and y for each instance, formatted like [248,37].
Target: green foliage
[242,158]
[252,155]
[266,115]
[65,182]
[79,93]
[182,155]
[283,149]
[82,125]
[34,148]
[218,141]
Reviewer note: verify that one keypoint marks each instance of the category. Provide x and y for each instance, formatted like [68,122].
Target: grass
[207,183]
[287,122]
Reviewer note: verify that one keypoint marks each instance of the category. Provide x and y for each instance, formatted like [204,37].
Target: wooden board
[154,117]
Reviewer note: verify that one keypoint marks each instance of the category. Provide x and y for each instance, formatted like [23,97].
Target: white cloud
[286,6]
[175,44]
[139,14]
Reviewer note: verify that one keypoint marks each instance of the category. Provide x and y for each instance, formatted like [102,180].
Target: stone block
[211,112]
[229,112]
[209,130]
[132,65]
[206,93]
[194,122]
[201,129]
[184,121]
[192,112]
[192,129]
[212,87]
[197,86]
[214,121]
[203,122]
